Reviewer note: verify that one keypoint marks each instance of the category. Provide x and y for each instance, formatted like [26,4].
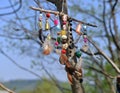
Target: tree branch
[5,88]
[106,57]
[61,14]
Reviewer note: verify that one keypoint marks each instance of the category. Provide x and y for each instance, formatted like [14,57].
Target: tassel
[40,35]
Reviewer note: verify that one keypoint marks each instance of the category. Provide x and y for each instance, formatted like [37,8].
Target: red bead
[64,23]
[63,51]
[48,15]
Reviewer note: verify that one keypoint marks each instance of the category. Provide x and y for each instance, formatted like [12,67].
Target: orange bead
[78,28]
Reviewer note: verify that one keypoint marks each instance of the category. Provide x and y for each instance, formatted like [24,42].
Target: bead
[63,51]
[64,27]
[56,43]
[65,46]
[59,40]
[48,15]
[55,22]
[85,40]
[78,54]
[64,22]
[47,25]
[58,27]
[64,18]
[64,41]
[78,28]
[40,17]
[64,37]
[63,32]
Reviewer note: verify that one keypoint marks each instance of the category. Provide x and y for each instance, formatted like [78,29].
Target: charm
[59,40]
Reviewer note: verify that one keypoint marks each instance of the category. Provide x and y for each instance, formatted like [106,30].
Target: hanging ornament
[85,38]
[47,48]
[47,25]
[78,28]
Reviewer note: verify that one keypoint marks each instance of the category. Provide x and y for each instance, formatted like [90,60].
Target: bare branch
[106,57]
[5,88]
[61,14]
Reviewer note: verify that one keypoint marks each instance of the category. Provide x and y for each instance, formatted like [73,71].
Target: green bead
[59,39]
[78,54]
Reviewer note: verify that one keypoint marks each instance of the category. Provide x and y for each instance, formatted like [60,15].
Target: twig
[5,88]
[105,56]
[61,14]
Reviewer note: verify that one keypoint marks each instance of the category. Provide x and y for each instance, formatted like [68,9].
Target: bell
[40,24]
[78,29]
[47,25]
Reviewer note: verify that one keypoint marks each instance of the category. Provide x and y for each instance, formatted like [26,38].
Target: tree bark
[76,86]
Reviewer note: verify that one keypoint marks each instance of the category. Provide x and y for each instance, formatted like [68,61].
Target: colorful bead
[64,27]
[40,17]
[63,32]
[64,22]
[78,54]
[56,22]
[64,18]
[48,15]
[63,51]
[65,46]
[59,40]
[64,37]
[56,43]
[49,37]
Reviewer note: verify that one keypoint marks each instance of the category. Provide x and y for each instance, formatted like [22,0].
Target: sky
[8,70]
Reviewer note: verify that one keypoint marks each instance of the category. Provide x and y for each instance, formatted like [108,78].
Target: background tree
[100,70]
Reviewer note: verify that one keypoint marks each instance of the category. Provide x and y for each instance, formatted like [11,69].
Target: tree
[97,61]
